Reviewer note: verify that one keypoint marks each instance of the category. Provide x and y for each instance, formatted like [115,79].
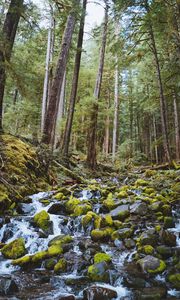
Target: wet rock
[169,222]
[14,249]
[148,238]
[165,251]
[139,208]
[1,222]
[99,272]
[57,209]
[129,243]
[152,293]
[8,286]
[151,264]
[156,206]
[120,213]
[168,238]
[122,233]
[67,297]
[101,235]
[8,233]
[133,276]
[42,220]
[99,293]
[174,279]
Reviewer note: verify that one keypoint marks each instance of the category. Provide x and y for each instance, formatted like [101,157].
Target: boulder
[152,293]
[120,213]
[151,264]
[14,249]
[168,238]
[8,286]
[99,272]
[138,208]
[57,209]
[99,293]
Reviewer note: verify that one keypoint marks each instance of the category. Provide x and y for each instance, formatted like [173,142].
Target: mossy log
[70,173]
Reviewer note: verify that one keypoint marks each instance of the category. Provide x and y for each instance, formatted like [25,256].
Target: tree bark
[92,134]
[161,90]
[68,128]
[49,56]
[52,110]
[116,99]
[176,124]
[8,35]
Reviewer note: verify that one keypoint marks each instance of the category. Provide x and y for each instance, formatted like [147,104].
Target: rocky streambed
[104,241]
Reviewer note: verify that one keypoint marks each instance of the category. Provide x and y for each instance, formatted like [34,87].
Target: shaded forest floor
[26,169]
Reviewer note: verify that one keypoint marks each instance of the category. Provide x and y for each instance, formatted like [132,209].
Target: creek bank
[97,240]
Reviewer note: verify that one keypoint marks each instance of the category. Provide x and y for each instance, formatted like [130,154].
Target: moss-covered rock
[152,265]
[25,260]
[141,182]
[39,256]
[60,240]
[100,257]
[98,272]
[59,196]
[71,204]
[122,194]
[14,249]
[54,250]
[82,209]
[109,203]
[101,235]
[164,251]
[88,218]
[148,249]
[42,220]
[50,263]
[169,222]
[122,233]
[61,266]
[174,279]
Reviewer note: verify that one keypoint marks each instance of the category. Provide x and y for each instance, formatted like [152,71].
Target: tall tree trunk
[58,133]
[92,134]
[116,99]
[8,35]
[176,123]
[49,56]
[68,128]
[52,110]
[161,90]
[155,139]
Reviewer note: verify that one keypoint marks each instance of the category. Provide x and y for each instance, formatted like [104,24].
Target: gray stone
[120,213]
[139,208]
[99,293]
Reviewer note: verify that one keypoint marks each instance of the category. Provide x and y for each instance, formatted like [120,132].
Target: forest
[90,149]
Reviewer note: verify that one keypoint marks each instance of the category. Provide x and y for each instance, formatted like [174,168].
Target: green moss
[14,249]
[148,249]
[117,224]
[150,173]
[158,228]
[97,222]
[175,280]
[100,257]
[50,263]
[109,202]
[71,204]
[168,222]
[108,221]
[101,235]
[149,191]
[22,261]
[82,209]
[160,269]
[42,220]
[166,210]
[122,233]
[97,272]
[59,196]
[123,215]
[54,250]
[141,182]
[39,256]
[61,266]
[122,194]
[88,218]
[60,240]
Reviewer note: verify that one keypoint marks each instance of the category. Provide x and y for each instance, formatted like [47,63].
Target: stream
[40,283]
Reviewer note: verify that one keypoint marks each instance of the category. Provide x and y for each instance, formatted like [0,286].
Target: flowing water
[43,284]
